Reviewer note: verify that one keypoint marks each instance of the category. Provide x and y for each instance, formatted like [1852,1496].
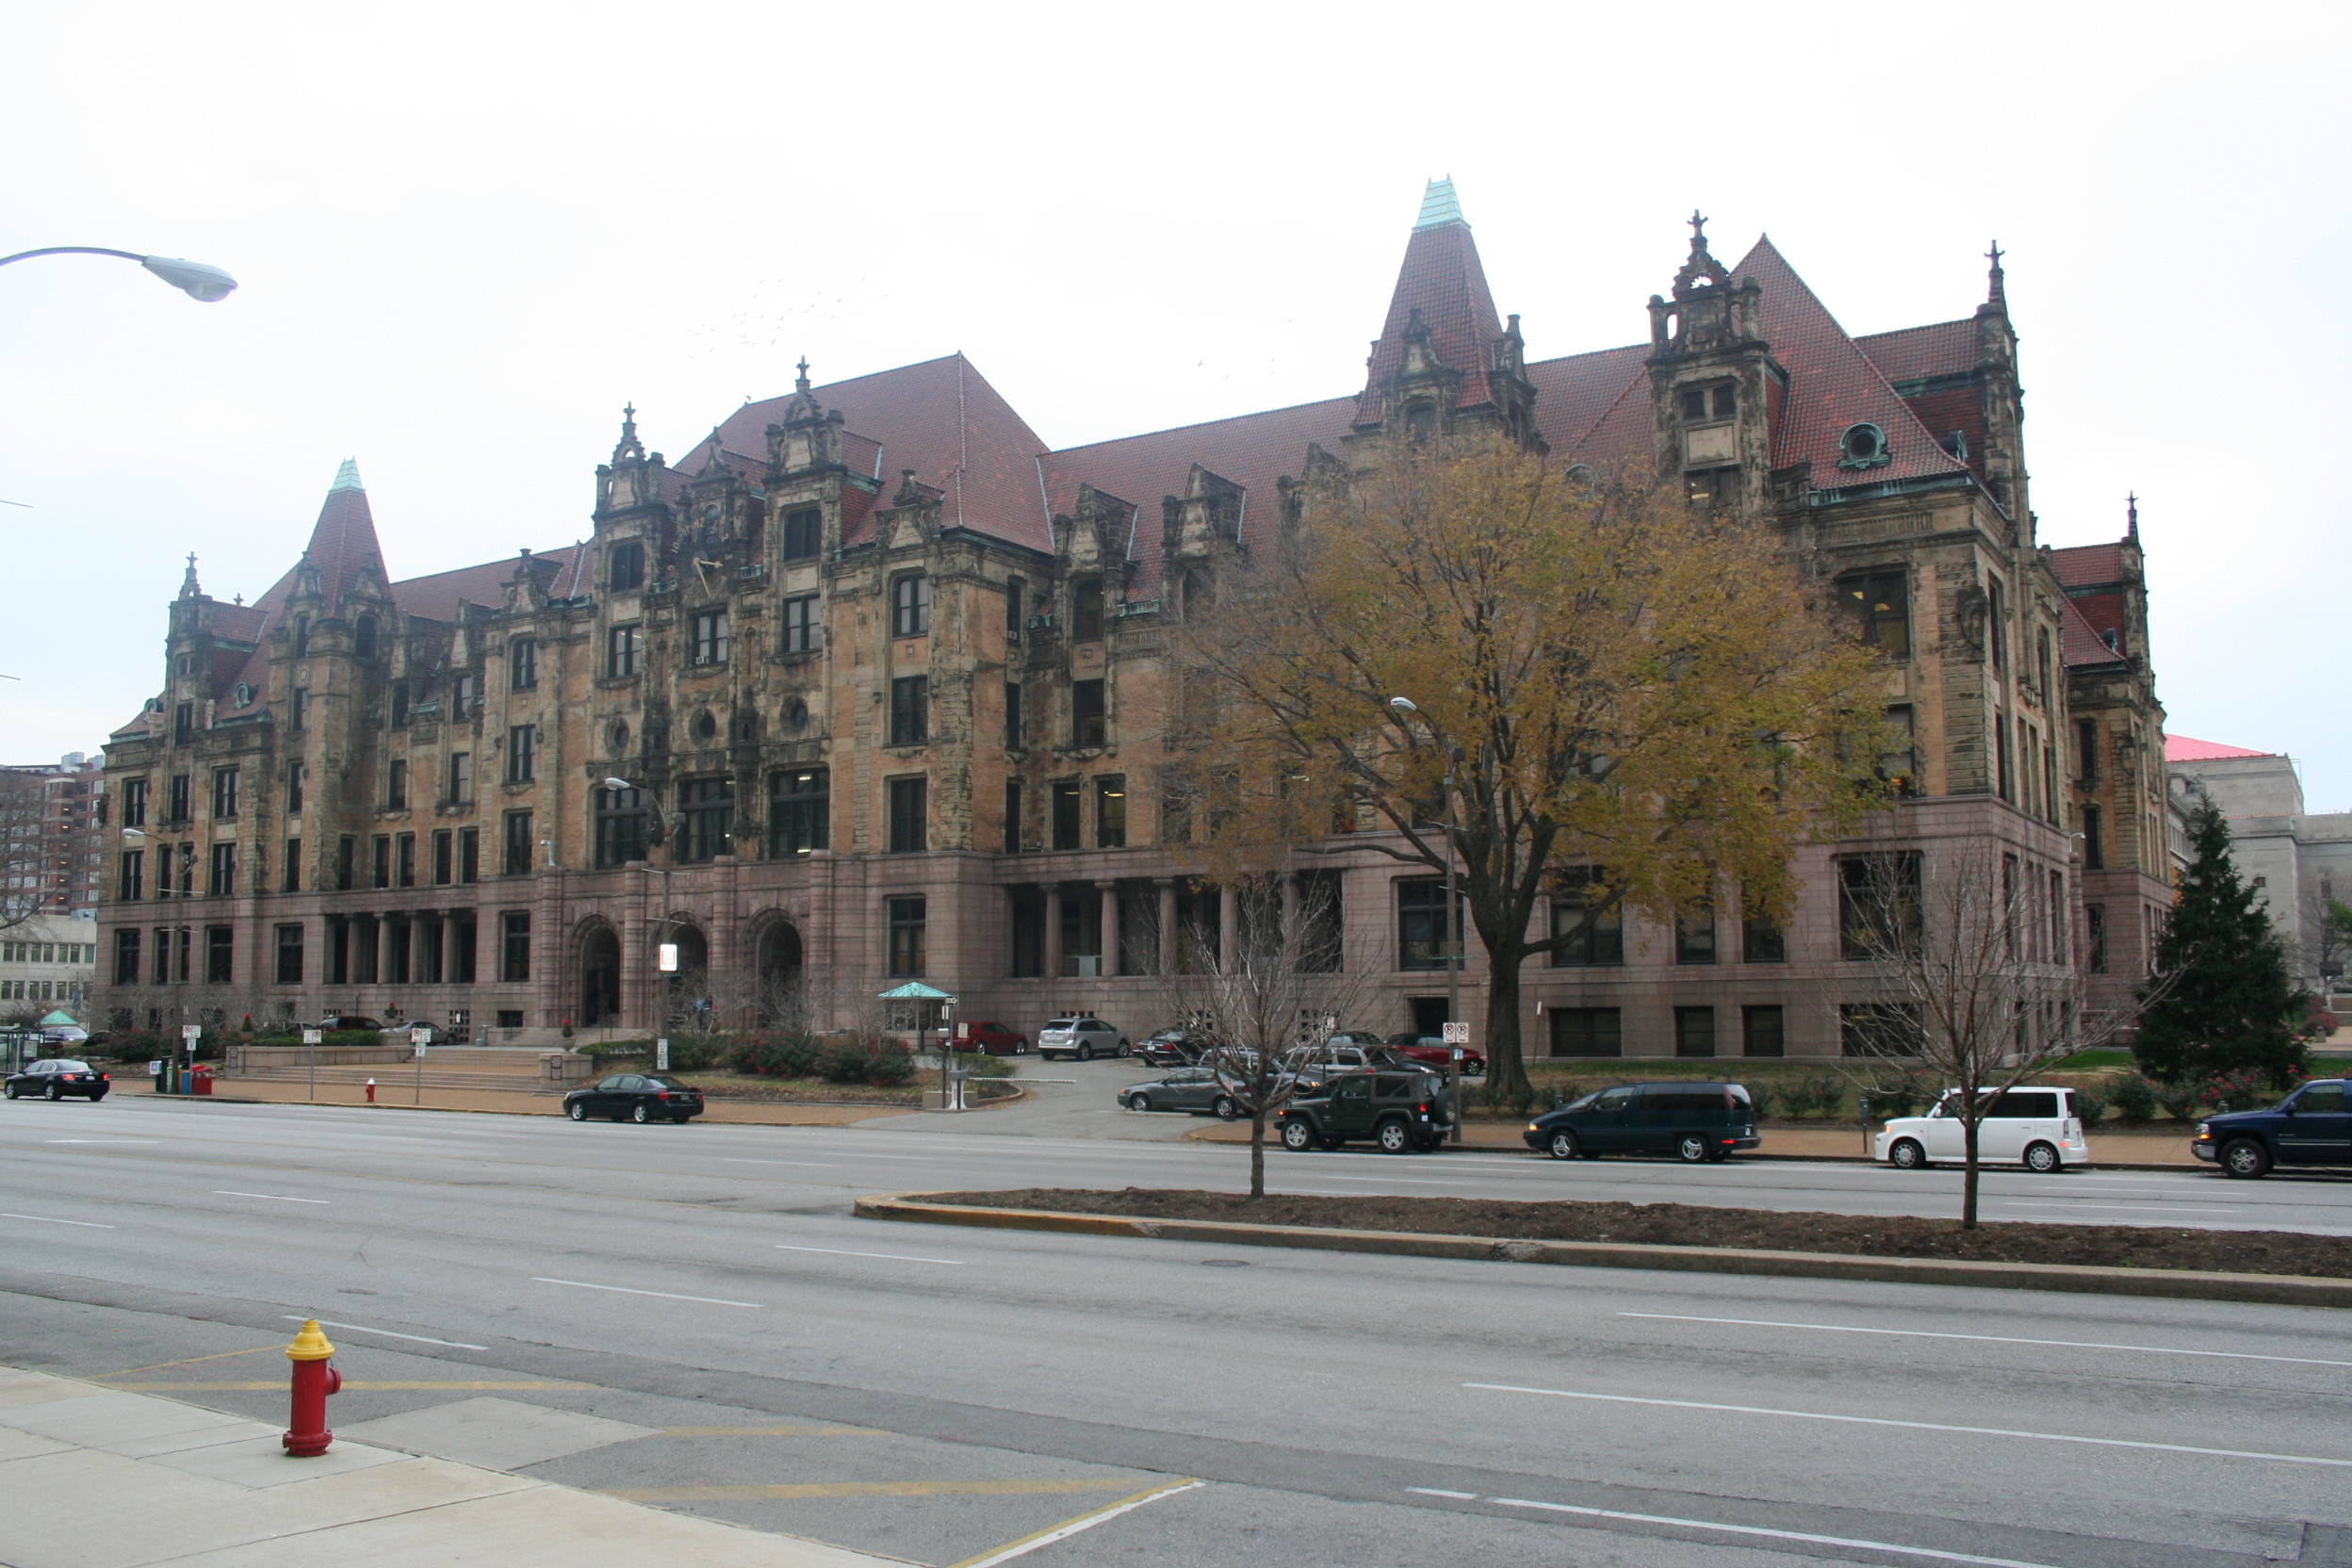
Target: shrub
[2091,1106]
[1818,1095]
[2179,1099]
[600,1049]
[695,1053]
[2245,1090]
[865,1059]
[892,1065]
[793,1056]
[1762,1097]
[2134,1099]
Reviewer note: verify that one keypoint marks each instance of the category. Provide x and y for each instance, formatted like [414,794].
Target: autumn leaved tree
[1653,696]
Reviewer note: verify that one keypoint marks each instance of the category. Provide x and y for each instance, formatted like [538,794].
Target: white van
[2032,1125]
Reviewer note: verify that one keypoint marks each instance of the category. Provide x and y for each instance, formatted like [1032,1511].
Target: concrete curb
[1743,1157]
[2275,1289]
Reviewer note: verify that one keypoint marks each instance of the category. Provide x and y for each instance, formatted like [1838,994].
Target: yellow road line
[1068,1528]
[864,1489]
[773,1432]
[99,1377]
[350,1385]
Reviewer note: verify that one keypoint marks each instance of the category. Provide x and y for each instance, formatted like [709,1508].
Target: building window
[709,804]
[799,809]
[802,631]
[383,847]
[1421,936]
[1695,1031]
[911,606]
[514,945]
[135,803]
[1862,446]
[181,794]
[461,778]
[910,710]
[909,807]
[1066,813]
[444,858]
[1012,816]
[462,695]
[522,754]
[407,858]
[625,566]
[297,776]
[1879,1029]
[620,652]
[126,958]
[1762,941]
[346,864]
[620,826]
[2094,840]
[131,881]
[1901,766]
[396,786]
[2086,749]
[907,917]
[468,855]
[224,792]
[1085,611]
[1763,1032]
[301,715]
[1694,935]
[1697,401]
[523,664]
[1876,602]
[1878,905]
[289,954]
[2001,757]
[1110,813]
[1014,597]
[2095,931]
[399,705]
[224,881]
[709,634]
[183,725]
[2057,917]
[1588,937]
[1012,715]
[1587,1032]
[364,637]
[517,861]
[220,955]
[804,532]
[1997,622]
[1086,726]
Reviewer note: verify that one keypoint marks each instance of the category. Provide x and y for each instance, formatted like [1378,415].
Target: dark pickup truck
[2310,1127]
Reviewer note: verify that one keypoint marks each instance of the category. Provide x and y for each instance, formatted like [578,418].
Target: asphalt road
[754,1353]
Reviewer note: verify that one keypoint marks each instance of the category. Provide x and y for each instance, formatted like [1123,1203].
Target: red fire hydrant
[314,1379]
[371,1091]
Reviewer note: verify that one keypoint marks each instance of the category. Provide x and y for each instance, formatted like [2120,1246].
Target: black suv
[1694,1121]
[1400,1111]
[2312,1126]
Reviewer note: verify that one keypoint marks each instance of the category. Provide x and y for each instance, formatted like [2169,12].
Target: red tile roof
[2180,748]
[2079,642]
[2080,565]
[1940,348]
[1441,278]
[343,541]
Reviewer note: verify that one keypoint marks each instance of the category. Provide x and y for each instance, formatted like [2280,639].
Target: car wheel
[55,1092]
[1125,1049]
[1225,1108]
[1563,1146]
[11,1091]
[1690,1150]
[96,1097]
[2246,1158]
[577,1110]
[640,1115]
[1086,1053]
[1394,1138]
[1139,1103]
[1907,1155]
[1297,1137]
[2041,1158]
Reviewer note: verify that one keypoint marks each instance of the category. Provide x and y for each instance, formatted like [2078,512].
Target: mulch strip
[1690,1225]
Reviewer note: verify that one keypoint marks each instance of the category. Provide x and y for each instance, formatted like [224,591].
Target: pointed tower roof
[347,477]
[344,539]
[1442,280]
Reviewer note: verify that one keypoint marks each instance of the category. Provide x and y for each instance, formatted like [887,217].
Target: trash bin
[201,1080]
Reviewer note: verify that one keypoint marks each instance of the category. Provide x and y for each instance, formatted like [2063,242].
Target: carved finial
[1698,230]
[629,446]
[189,588]
[802,384]
[1995,292]
[2132,516]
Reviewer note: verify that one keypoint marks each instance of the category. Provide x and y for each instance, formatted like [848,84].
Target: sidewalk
[397,1091]
[100,1478]
[2119,1150]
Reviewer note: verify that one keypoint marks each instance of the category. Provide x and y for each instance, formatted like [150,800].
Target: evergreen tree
[2223,998]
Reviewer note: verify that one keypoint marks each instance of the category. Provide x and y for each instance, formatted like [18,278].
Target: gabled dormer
[1713,384]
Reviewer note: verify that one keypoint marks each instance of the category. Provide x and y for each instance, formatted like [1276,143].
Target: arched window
[1862,447]
[364,637]
[1086,610]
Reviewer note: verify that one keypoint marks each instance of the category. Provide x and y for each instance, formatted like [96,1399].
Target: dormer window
[803,533]
[1703,403]
[364,637]
[1086,610]
[1862,446]
[1420,422]
[242,696]
[627,565]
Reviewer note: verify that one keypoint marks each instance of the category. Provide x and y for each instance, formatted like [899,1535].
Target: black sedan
[635,1097]
[57,1078]
[1174,1048]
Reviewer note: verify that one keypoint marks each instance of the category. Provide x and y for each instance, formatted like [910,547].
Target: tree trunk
[1506,1058]
[1967,1180]
[1257,1146]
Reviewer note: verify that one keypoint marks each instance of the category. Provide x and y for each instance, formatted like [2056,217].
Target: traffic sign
[313,1037]
[1457,1034]
[666,958]
[192,1033]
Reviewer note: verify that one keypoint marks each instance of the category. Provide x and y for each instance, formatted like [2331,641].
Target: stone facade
[874,685]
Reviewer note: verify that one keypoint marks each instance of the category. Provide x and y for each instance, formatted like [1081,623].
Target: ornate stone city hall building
[867,687]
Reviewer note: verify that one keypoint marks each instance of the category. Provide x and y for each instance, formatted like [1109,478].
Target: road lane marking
[44,1220]
[101,1140]
[1069,1527]
[665,1295]
[1756,1530]
[775,1431]
[1921,1426]
[844,1252]
[274,1198]
[807,1165]
[363,1329]
[1040,1486]
[2140,1208]
[1400,1181]
[160,1366]
[1990,1339]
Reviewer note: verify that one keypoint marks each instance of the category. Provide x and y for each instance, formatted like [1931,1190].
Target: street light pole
[1449,924]
[195,279]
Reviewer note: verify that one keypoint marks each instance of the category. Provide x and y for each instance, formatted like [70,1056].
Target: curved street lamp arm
[73,250]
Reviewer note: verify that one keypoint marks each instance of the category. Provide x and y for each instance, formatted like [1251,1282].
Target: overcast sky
[467,234]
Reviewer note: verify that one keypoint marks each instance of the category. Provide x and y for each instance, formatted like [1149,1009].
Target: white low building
[48,959]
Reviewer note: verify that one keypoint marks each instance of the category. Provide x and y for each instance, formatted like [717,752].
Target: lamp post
[1447,922]
[195,279]
[662,831]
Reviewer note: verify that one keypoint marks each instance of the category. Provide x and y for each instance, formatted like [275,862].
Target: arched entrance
[599,977]
[777,965]
[686,992]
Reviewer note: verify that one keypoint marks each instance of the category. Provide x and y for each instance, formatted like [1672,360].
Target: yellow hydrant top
[310,1345]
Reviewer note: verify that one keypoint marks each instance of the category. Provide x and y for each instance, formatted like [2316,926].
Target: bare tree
[31,848]
[1966,972]
[1279,980]
[2327,937]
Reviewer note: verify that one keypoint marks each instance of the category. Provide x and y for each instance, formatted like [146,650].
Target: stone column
[1052,931]
[1109,893]
[418,970]
[724,958]
[1167,888]
[1228,924]
[633,958]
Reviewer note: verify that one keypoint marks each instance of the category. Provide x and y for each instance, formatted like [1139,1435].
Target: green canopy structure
[915,991]
[59,1016]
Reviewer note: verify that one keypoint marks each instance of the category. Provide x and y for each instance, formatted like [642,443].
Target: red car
[992,1040]
[1432,1052]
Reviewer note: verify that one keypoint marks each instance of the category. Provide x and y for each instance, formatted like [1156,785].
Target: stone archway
[599,977]
[781,1000]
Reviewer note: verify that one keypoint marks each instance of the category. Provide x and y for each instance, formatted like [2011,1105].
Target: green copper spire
[1438,205]
[347,477]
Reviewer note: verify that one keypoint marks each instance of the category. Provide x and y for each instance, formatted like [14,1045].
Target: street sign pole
[419,1038]
[1457,1041]
[189,1034]
[310,1041]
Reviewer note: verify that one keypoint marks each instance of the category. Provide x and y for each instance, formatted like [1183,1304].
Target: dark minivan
[1692,1121]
